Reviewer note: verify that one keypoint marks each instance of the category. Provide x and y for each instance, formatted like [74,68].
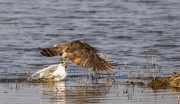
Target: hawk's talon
[64,63]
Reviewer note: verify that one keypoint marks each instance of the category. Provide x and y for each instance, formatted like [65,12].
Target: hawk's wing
[84,55]
[54,51]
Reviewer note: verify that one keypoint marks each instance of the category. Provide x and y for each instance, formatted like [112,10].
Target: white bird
[54,72]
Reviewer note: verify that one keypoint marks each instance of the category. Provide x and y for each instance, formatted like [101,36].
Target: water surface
[119,27]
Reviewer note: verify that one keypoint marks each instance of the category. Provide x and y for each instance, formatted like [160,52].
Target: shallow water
[72,92]
[119,27]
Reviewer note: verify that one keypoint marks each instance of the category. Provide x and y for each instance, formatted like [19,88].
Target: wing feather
[53,51]
[76,60]
[82,54]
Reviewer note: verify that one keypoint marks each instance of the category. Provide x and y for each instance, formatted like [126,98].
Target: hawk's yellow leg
[64,62]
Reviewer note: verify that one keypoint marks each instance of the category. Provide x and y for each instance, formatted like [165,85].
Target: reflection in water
[175,89]
[81,93]
[56,91]
[91,93]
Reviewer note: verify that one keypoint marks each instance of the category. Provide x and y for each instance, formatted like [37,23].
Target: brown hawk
[81,54]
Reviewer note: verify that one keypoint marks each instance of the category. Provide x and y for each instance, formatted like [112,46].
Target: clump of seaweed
[165,82]
[155,81]
[159,83]
[175,81]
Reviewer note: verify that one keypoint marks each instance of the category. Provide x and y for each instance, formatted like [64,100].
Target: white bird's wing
[59,73]
[44,72]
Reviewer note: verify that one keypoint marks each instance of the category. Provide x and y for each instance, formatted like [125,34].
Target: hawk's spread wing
[82,54]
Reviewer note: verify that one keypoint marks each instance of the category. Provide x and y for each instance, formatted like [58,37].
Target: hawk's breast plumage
[81,54]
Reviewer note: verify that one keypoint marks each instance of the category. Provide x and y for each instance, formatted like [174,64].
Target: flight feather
[81,54]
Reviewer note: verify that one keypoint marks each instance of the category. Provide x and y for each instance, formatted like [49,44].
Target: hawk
[81,54]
